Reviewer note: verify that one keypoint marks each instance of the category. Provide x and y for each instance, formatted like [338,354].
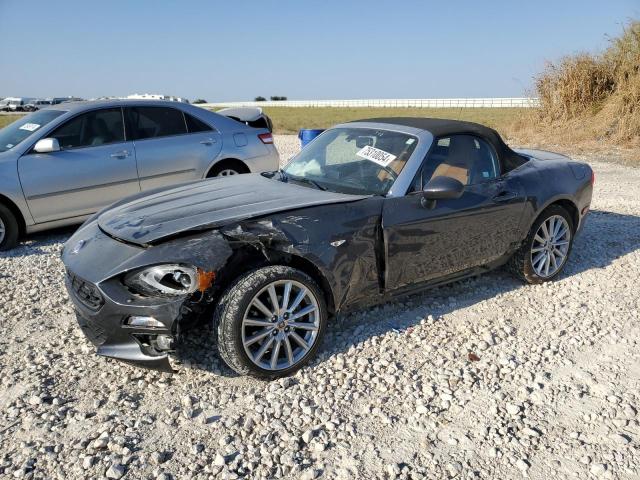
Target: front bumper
[104,326]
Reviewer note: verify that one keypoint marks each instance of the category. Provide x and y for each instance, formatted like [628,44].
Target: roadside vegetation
[589,100]
[7,119]
[291,120]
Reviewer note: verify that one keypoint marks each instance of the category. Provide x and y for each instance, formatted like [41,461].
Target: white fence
[519,102]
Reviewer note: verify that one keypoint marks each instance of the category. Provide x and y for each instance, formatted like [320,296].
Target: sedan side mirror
[47,145]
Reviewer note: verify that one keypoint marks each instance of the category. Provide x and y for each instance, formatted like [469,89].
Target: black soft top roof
[442,127]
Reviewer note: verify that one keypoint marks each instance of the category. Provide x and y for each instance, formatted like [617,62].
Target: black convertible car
[368,211]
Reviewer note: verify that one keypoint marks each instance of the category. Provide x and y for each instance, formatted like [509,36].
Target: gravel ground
[485,378]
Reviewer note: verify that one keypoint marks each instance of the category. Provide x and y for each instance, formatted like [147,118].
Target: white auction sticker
[31,127]
[376,155]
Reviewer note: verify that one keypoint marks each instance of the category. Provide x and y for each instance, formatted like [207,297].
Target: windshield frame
[403,182]
[42,128]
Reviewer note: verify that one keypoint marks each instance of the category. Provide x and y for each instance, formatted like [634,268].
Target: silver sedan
[61,164]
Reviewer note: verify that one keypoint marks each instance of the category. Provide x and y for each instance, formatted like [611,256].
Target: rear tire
[226,168]
[9,229]
[274,346]
[530,262]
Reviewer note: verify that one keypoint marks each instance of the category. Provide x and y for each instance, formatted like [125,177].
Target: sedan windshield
[16,132]
[353,160]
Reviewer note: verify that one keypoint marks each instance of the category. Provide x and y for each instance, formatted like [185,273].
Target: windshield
[353,160]
[16,132]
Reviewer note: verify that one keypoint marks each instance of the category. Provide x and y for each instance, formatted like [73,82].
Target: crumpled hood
[208,204]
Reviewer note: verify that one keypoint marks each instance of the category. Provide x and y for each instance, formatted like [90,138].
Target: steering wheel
[391,172]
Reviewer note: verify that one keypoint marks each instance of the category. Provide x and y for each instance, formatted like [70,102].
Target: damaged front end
[133,302]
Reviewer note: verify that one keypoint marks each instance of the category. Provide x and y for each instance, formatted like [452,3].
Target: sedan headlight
[164,280]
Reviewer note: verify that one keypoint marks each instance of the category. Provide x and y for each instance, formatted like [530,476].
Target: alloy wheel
[550,246]
[226,172]
[3,230]
[280,325]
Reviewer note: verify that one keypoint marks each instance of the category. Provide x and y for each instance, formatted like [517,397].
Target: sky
[237,50]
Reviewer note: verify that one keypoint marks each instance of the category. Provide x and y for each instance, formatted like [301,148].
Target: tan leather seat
[459,173]
[460,159]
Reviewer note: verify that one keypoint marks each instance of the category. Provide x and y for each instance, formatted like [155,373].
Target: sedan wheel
[9,228]
[270,322]
[226,172]
[550,246]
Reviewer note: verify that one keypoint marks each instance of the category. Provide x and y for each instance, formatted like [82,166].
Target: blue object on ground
[306,135]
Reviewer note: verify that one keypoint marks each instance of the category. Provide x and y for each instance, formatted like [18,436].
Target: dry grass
[290,120]
[7,119]
[589,101]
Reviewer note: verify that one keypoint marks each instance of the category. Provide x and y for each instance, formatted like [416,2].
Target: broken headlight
[163,280]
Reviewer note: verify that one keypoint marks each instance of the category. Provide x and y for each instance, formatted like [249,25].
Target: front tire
[9,229]
[270,322]
[545,252]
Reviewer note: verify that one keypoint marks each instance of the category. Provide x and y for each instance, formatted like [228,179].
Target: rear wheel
[545,252]
[9,229]
[270,322]
[226,168]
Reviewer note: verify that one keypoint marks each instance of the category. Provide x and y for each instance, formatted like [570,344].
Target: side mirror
[47,145]
[362,142]
[440,188]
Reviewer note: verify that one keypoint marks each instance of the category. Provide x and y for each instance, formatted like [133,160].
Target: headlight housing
[170,280]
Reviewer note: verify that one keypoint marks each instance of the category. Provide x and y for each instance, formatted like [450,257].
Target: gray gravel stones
[394,393]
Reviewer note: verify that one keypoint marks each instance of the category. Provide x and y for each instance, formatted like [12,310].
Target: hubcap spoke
[275,353]
[299,340]
[298,300]
[256,322]
[263,349]
[262,307]
[285,297]
[302,313]
[303,326]
[257,337]
[288,350]
[274,299]
[545,232]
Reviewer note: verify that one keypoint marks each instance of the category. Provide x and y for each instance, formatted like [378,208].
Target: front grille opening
[86,292]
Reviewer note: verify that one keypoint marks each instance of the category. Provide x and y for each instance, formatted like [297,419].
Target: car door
[171,146]
[94,167]
[426,241]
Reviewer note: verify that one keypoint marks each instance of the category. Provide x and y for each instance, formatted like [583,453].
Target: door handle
[208,141]
[120,154]
[505,196]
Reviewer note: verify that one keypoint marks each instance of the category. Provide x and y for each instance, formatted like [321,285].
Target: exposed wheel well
[16,212]
[570,207]
[251,258]
[233,163]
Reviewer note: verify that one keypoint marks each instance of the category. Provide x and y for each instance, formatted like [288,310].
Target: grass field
[7,119]
[290,120]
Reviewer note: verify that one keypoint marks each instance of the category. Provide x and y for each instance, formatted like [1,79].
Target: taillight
[266,137]
[593,177]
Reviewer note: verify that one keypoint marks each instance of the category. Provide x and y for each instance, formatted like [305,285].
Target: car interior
[466,158]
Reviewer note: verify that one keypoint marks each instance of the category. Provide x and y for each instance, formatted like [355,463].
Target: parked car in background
[37,104]
[63,163]
[252,116]
[14,104]
[368,211]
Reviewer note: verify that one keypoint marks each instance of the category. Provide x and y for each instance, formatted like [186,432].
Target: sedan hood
[208,204]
